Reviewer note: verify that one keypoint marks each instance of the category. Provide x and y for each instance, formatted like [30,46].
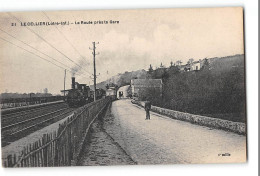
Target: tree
[190,61]
[150,93]
[45,90]
[161,66]
[178,62]
[171,63]
[150,70]
[129,91]
[173,70]
[206,65]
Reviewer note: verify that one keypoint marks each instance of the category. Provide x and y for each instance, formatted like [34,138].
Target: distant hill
[219,64]
[122,79]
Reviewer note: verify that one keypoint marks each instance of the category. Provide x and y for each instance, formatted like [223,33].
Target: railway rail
[25,115]
[19,124]
[6,112]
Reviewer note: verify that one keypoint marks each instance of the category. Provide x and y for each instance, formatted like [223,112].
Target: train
[100,93]
[111,92]
[81,94]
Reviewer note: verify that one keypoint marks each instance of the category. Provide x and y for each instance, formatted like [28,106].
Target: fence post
[69,146]
[44,151]
[55,150]
[9,161]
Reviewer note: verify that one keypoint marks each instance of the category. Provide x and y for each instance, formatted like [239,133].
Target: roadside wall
[236,127]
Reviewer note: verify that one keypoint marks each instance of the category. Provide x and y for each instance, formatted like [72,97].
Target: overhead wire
[31,52]
[66,39]
[67,67]
[98,61]
[84,37]
[46,41]
[34,48]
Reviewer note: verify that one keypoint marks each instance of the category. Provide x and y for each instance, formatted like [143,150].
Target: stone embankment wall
[236,127]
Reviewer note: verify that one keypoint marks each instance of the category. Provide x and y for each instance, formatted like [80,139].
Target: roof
[147,82]
[189,65]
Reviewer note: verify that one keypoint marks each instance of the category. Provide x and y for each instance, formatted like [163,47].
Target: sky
[141,38]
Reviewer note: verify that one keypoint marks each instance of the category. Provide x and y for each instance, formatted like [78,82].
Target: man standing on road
[147,107]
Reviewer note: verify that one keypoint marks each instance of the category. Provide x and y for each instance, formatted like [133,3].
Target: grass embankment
[217,92]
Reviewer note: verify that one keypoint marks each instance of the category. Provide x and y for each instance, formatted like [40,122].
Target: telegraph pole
[94,64]
[64,82]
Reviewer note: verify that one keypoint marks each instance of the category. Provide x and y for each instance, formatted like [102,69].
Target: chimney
[73,82]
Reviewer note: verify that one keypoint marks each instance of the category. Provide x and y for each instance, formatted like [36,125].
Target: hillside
[218,91]
[217,64]
[123,79]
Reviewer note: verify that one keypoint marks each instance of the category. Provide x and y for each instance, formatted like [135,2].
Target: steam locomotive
[81,94]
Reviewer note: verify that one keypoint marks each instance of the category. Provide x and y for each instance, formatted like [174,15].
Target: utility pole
[94,65]
[64,82]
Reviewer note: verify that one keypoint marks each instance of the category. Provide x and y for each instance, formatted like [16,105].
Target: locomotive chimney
[73,82]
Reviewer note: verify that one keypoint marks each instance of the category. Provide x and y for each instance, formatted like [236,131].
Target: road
[162,140]
[123,89]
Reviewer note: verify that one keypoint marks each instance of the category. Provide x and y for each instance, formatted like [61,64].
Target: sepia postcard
[122,87]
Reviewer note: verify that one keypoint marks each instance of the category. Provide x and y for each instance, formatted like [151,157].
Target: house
[145,88]
[193,66]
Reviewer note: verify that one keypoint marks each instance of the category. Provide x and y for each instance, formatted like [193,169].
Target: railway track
[21,124]
[26,111]
[21,116]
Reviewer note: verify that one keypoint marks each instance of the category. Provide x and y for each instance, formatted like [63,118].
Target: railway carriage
[111,92]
